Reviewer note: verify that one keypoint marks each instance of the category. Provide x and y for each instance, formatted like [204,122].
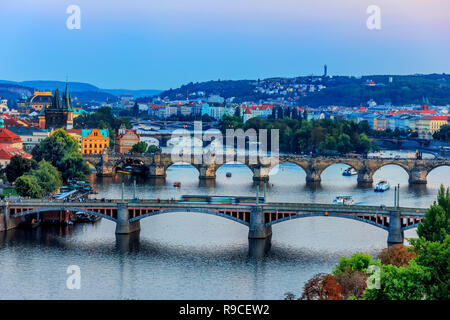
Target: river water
[196,256]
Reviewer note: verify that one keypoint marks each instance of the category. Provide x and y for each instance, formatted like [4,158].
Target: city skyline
[164,45]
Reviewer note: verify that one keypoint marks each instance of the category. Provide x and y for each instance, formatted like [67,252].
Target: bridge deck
[268,207]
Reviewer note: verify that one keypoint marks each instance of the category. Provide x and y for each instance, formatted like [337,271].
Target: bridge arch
[439,165]
[194,210]
[320,214]
[41,210]
[222,166]
[182,164]
[390,163]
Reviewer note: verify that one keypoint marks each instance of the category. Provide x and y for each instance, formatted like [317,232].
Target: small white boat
[349,172]
[382,186]
[345,200]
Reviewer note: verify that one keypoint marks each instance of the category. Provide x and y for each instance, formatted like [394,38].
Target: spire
[66,98]
[56,100]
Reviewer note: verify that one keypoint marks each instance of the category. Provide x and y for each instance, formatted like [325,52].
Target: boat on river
[382,186]
[344,200]
[349,172]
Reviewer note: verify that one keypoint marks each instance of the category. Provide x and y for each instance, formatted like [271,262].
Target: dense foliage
[443,133]
[143,147]
[323,136]
[420,272]
[18,166]
[62,151]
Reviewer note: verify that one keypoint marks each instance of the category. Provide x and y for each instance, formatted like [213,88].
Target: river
[196,256]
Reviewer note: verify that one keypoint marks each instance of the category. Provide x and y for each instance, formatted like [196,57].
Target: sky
[162,44]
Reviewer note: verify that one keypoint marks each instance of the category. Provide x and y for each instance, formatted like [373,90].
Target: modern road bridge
[259,218]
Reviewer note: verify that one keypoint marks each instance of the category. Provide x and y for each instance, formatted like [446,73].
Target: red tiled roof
[6,136]
[7,152]
[437,117]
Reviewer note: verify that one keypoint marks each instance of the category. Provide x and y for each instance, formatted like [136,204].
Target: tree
[434,257]
[400,283]
[294,114]
[398,255]
[74,166]
[322,287]
[18,166]
[357,262]
[140,147]
[28,186]
[136,110]
[353,284]
[343,143]
[436,223]
[47,176]
[363,144]
[152,148]
[62,151]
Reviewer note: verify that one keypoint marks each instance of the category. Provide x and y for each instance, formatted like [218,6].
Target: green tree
[343,143]
[140,147]
[28,186]
[47,176]
[363,145]
[436,223]
[152,148]
[400,283]
[73,166]
[434,257]
[18,166]
[357,262]
[62,151]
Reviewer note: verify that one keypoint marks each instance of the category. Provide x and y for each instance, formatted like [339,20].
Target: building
[59,114]
[125,140]
[94,141]
[76,134]
[8,137]
[30,136]
[8,151]
[41,100]
[428,125]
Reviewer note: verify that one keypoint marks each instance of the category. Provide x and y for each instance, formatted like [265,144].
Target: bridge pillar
[395,235]
[157,171]
[207,172]
[418,175]
[258,229]
[123,226]
[6,222]
[260,173]
[313,176]
[365,177]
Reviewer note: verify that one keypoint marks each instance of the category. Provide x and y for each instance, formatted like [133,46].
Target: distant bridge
[157,164]
[259,218]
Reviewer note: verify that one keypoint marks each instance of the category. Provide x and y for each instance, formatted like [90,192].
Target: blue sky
[159,44]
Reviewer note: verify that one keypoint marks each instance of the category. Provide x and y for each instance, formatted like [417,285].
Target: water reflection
[189,255]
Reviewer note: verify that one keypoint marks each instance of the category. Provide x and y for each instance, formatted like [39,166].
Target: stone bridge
[259,218]
[157,165]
